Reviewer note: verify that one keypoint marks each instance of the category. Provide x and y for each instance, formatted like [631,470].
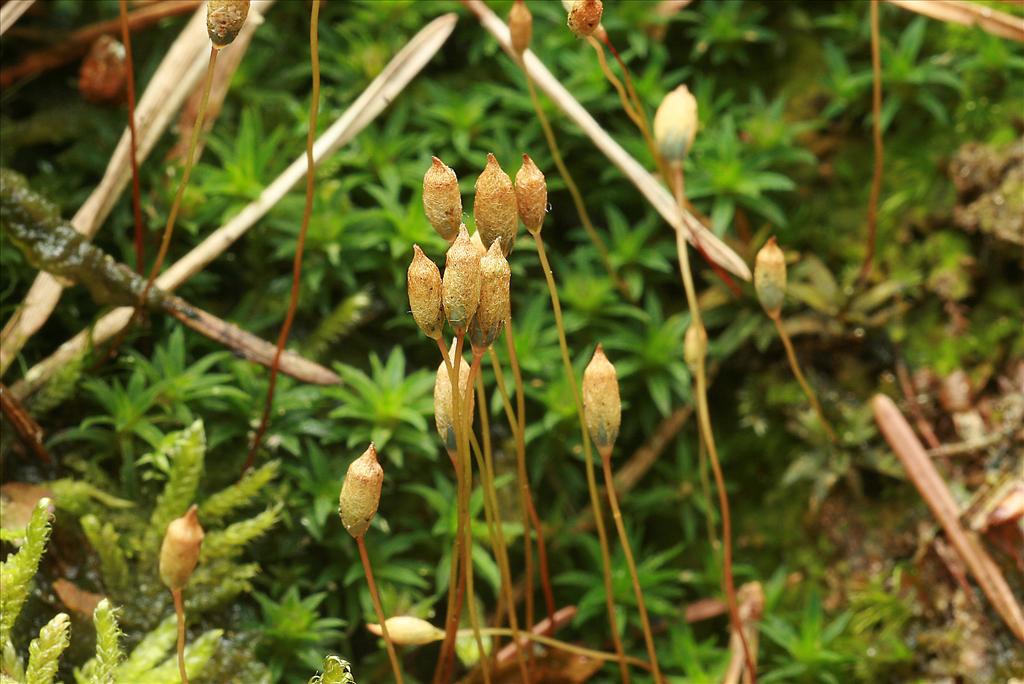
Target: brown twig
[300,244]
[78,42]
[876,126]
[933,490]
[29,431]
[907,386]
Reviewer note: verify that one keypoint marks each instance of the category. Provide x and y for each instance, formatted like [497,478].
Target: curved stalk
[588,457]
[126,39]
[879,149]
[798,374]
[613,499]
[704,418]
[300,244]
[375,597]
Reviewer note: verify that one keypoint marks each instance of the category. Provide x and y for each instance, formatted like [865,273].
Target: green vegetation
[837,561]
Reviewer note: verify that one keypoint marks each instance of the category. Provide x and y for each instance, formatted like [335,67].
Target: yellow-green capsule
[360,492]
[442,201]
[460,285]
[531,195]
[602,407]
[675,125]
[695,346]
[424,285]
[495,277]
[406,630]
[770,278]
[494,206]
[224,19]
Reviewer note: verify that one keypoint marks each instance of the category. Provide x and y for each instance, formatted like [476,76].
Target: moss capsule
[675,124]
[520,27]
[224,19]
[531,195]
[494,206]
[601,404]
[179,552]
[442,201]
[495,277]
[770,278]
[424,286]
[360,492]
[460,285]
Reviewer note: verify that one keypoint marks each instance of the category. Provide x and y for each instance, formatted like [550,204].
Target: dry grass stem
[11,12]
[879,149]
[968,14]
[935,492]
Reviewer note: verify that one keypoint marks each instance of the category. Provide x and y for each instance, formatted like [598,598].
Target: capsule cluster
[473,293]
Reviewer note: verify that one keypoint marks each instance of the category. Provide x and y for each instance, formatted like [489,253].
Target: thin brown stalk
[798,374]
[542,548]
[876,126]
[126,38]
[627,550]
[300,244]
[172,216]
[396,667]
[28,430]
[574,191]
[467,484]
[179,612]
[485,462]
[704,418]
[588,457]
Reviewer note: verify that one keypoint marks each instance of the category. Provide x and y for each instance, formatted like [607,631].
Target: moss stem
[179,612]
[798,374]
[588,456]
[570,648]
[467,487]
[613,499]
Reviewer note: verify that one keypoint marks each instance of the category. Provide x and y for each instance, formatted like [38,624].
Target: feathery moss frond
[17,571]
[151,650]
[108,650]
[219,505]
[78,496]
[230,541]
[336,671]
[61,387]
[46,649]
[221,582]
[187,454]
[107,544]
[346,316]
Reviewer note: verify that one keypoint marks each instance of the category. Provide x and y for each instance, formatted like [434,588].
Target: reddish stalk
[300,245]
[374,594]
[126,38]
[876,125]
[542,550]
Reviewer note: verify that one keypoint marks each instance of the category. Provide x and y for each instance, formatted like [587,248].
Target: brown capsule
[424,285]
[442,201]
[494,206]
[675,124]
[478,244]
[460,285]
[520,27]
[406,630]
[602,407]
[585,17]
[695,346]
[224,19]
[531,195]
[179,552]
[104,72]
[360,492]
[770,277]
[495,277]
[444,415]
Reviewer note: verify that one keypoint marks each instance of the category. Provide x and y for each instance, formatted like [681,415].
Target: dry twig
[11,12]
[969,14]
[933,489]
[391,81]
